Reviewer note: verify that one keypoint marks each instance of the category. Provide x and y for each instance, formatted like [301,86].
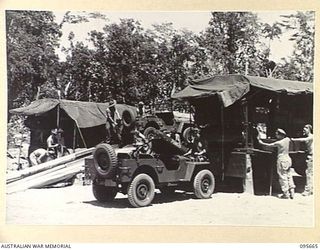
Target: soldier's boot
[291,191]
[284,195]
[306,193]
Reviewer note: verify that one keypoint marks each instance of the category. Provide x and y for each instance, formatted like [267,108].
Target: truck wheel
[149,132]
[204,184]
[103,193]
[167,190]
[128,118]
[105,160]
[141,191]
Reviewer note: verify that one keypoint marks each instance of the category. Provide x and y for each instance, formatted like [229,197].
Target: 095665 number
[309,246]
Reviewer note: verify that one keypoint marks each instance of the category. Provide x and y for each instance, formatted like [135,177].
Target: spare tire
[105,160]
[128,118]
[186,135]
[149,132]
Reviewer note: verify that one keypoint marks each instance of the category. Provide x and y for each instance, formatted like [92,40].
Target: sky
[194,21]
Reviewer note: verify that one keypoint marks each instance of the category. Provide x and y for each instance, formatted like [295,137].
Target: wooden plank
[39,168]
[59,176]
[46,177]
[47,165]
[32,177]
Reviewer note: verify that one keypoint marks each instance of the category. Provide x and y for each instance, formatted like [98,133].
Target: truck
[229,109]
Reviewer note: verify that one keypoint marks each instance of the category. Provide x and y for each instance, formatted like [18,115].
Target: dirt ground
[75,205]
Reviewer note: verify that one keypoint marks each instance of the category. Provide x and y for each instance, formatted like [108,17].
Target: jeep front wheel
[204,184]
[141,191]
[103,194]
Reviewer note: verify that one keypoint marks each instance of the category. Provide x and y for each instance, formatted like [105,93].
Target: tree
[179,56]
[120,65]
[32,37]
[77,75]
[130,56]
[132,64]
[231,40]
[300,65]
[271,32]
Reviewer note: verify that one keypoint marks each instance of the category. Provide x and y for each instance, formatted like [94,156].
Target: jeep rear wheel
[204,184]
[105,160]
[103,193]
[141,191]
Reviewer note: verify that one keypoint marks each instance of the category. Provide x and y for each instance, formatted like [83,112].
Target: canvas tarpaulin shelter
[88,117]
[85,114]
[231,88]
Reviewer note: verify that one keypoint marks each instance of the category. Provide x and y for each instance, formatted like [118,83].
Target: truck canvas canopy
[231,88]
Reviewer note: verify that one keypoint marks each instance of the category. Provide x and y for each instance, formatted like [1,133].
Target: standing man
[141,110]
[284,163]
[308,140]
[114,121]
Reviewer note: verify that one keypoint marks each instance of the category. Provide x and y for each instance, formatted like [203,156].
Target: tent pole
[222,142]
[58,127]
[58,115]
[246,125]
[84,142]
[74,137]
[20,149]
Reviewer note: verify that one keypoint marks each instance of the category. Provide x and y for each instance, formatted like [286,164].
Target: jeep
[137,170]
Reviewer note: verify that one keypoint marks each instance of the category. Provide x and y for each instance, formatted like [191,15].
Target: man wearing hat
[114,122]
[140,109]
[284,163]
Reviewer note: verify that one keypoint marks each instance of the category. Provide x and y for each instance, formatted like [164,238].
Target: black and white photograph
[160,118]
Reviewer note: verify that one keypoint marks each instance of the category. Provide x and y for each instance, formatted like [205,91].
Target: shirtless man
[52,141]
[308,140]
[284,163]
[38,156]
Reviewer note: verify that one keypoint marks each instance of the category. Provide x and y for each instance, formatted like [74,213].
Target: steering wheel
[144,148]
